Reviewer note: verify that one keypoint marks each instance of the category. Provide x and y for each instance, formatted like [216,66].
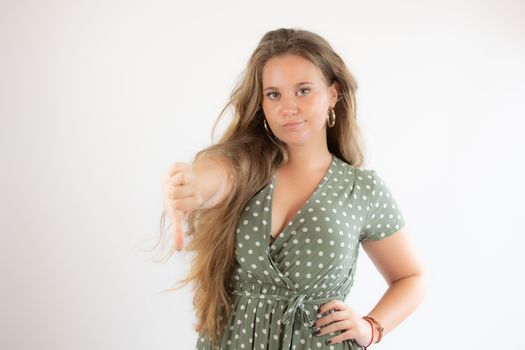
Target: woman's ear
[334,93]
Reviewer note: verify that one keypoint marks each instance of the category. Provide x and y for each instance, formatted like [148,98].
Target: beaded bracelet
[379,328]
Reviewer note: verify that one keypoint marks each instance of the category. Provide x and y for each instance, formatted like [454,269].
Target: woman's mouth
[293,125]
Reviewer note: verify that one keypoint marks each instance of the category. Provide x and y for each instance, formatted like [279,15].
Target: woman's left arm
[396,259]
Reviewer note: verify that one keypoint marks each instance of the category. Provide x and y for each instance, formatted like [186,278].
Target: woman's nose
[289,105]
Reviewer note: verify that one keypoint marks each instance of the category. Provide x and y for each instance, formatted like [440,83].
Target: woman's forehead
[288,71]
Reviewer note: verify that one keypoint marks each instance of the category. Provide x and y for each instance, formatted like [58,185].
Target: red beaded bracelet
[371,340]
[378,326]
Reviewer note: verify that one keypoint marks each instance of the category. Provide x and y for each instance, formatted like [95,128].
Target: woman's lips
[293,125]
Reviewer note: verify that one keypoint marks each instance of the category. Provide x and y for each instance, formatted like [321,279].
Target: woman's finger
[180,192]
[176,167]
[333,304]
[178,227]
[340,325]
[331,317]
[187,204]
[345,335]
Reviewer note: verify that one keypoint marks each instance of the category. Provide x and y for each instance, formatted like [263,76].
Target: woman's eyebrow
[301,83]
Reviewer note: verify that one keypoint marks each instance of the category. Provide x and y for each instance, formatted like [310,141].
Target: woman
[277,208]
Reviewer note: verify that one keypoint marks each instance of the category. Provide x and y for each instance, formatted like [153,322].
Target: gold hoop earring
[330,119]
[271,136]
[266,126]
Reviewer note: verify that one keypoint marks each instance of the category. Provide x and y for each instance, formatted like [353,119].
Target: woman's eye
[270,94]
[305,89]
[273,94]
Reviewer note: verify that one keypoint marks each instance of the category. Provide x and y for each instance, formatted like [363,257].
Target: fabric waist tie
[296,302]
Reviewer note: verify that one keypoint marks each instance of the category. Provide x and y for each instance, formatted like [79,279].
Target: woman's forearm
[212,176]
[399,301]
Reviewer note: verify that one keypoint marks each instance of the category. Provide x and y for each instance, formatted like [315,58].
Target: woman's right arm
[203,184]
[213,176]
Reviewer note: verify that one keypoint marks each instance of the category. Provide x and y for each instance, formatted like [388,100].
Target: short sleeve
[384,216]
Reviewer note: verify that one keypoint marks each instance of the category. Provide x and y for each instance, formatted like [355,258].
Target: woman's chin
[295,141]
[298,138]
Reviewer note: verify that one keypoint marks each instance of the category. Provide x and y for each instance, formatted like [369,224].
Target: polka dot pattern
[384,216]
[278,285]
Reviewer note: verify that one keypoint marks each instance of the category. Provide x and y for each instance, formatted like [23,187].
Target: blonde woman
[278,208]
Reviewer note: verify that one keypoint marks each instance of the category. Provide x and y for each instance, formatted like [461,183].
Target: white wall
[98,98]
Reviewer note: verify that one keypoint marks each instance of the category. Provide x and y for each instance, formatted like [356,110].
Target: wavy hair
[254,155]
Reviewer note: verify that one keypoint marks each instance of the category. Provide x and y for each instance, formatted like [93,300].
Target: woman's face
[296,99]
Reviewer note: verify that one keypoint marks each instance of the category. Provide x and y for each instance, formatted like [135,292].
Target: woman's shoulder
[360,176]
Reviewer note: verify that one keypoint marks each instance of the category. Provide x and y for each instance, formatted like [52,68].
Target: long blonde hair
[254,156]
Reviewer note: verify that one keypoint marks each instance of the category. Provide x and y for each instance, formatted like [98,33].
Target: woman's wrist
[366,335]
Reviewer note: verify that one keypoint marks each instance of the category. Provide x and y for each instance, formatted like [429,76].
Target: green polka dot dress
[278,285]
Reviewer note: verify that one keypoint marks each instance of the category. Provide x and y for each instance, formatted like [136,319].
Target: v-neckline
[269,240]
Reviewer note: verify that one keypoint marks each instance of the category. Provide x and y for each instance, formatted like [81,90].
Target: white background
[98,98]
